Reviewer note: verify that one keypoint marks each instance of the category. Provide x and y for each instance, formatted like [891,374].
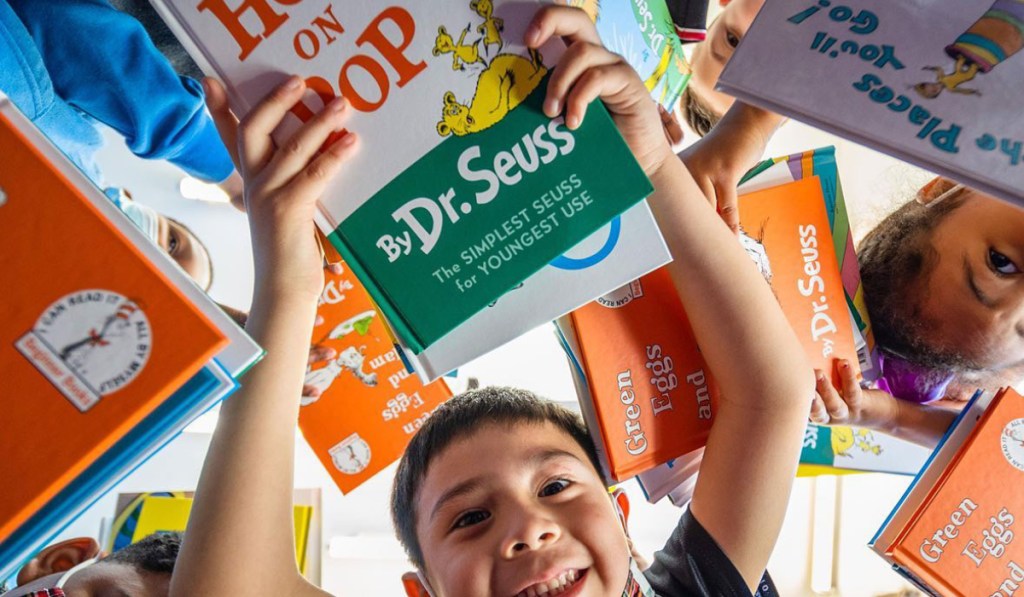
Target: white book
[621,252]
[934,82]
[462,188]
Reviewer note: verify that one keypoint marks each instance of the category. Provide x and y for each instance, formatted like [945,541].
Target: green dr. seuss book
[462,188]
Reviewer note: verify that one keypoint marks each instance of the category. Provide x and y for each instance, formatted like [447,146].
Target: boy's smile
[519,511]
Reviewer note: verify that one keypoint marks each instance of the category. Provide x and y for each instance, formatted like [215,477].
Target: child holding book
[944,286]
[509,505]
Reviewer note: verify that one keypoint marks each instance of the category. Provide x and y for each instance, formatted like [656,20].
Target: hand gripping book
[935,83]
[955,531]
[462,188]
[652,397]
[643,32]
[94,339]
[367,405]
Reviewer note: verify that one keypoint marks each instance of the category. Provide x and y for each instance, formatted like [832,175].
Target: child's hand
[874,409]
[282,185]
[587,71]
[719,160]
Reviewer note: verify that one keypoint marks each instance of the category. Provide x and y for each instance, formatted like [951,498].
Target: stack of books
[644,388]
[953,532]
[109,348]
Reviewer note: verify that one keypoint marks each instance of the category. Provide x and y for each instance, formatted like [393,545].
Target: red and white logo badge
[1012,443]
[89,344]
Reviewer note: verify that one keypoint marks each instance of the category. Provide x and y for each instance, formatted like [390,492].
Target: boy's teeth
[555,586]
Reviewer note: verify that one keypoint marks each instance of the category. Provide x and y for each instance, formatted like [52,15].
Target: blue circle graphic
[572,263]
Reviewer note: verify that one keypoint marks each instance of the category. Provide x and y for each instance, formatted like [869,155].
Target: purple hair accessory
[911,382]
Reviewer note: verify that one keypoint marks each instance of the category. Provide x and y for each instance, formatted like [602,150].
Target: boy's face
[709,56]
[519,510]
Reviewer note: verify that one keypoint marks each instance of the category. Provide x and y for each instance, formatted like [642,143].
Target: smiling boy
[499,493]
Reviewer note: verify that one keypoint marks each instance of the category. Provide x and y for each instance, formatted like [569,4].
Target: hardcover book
[462,188]
[367,405]
[954,532]
[92,343]
[935,83]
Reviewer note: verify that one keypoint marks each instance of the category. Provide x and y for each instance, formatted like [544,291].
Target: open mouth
[559,585]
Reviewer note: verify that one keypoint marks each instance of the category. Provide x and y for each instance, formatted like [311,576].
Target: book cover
[369,405]
[462,187]
[92,343]
[841,447]
[643,33]
[199,393]
[642,363]
[961,539]
[933,83]
[628,247]
[143,514]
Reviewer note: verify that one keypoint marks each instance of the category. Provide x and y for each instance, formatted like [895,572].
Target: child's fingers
[673,130]
[819,414]
[303,146]
[310,183]
[571,23]
[223,119]
[578,59]
[256,146]
[598,82]
[852,393]
[727,207]
[834,404]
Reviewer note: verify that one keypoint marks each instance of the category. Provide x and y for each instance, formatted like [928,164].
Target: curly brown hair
[895,260]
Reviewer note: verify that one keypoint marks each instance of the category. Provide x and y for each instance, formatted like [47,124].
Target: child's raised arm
[765,380]
[240,533]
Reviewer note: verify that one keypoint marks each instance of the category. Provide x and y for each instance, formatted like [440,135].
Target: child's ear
[415,585]
[936,189]
[59,557]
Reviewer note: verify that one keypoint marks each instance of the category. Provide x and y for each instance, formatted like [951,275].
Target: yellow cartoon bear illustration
[845,439]
[492,26]
[503,85]
[995,37]
[462,53]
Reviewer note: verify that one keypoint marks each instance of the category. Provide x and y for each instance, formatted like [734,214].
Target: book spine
[395,319]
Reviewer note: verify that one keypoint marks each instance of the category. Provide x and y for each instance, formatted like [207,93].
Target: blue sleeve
[102,62]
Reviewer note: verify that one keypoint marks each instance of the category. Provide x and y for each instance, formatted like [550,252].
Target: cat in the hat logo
[1012,443]
[89,344]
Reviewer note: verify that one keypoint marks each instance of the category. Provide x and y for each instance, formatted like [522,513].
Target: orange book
[652,395]
[369,405]
[94,335]
[962,539]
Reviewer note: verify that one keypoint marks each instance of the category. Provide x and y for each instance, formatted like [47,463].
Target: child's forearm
[919,423]
[758,120]
[243,508]
[736,318]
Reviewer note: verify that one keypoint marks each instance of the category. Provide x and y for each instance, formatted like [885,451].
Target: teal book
[462,188]
[642,32]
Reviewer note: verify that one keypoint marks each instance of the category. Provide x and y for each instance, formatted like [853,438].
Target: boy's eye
[172,242]
[1002,264]
[554,487]
[470,518]
[732,39]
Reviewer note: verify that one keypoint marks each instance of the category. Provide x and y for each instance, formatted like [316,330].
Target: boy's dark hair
[895,259]
[458,418]
[155,553]
[699,115]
